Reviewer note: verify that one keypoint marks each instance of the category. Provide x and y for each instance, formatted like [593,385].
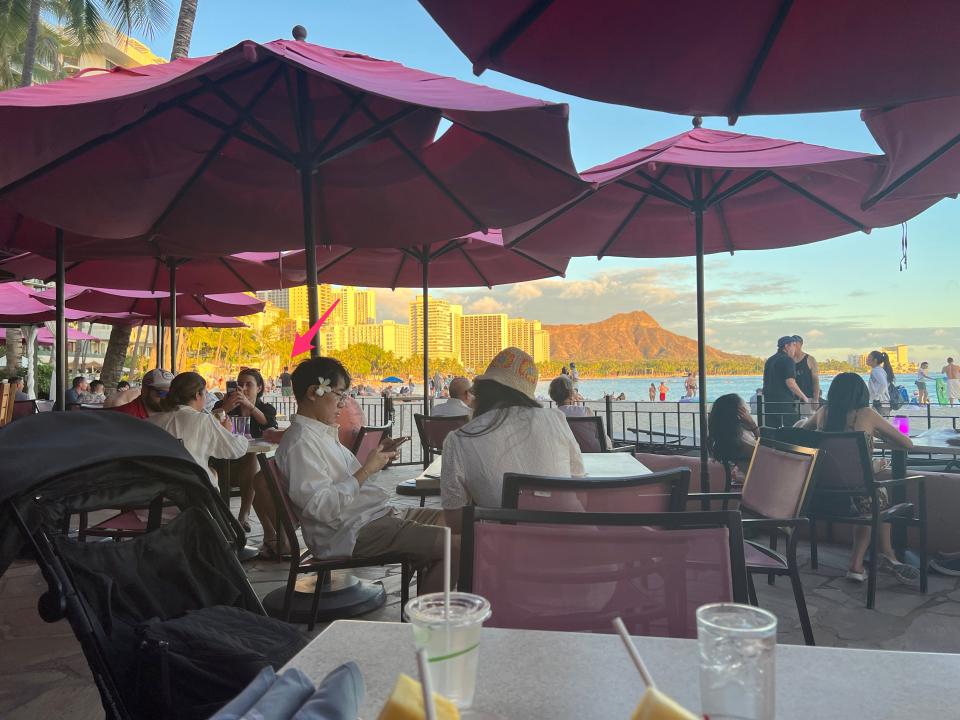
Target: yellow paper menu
[406,703]
[654,705]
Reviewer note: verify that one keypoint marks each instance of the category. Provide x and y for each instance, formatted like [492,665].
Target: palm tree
[181,39]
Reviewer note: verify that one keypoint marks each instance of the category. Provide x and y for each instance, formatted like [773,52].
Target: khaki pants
[415,534]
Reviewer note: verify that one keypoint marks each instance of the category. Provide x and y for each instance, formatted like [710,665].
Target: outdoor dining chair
[369,437]
[7,402]
[22,408]
[578,571]
[656,492]
[303,562]
[846,470]
[434,430]
[773,497]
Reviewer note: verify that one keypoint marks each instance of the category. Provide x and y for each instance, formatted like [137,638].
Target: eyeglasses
[342,396]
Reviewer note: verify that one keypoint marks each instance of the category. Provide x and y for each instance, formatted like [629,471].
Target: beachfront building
[529,336]
[444,331]
[484,335]
[277,298]
[899,357]
[390,336]
[299,307]
[116,50]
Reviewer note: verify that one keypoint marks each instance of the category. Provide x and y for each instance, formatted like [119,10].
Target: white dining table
[529,674]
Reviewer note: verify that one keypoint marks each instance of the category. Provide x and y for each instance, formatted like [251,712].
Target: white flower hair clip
[323,387]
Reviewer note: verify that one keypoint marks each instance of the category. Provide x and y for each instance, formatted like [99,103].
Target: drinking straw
[426,685]
[446,574]
[632,650]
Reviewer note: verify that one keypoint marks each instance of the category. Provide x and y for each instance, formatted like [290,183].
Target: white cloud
[525,291]
[486,304]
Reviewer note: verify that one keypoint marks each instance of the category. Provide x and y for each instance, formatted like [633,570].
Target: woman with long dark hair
[881,377]
[731,431]
[182,415]
[848,409]
[510,432]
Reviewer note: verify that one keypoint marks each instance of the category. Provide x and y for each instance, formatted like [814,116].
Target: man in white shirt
[460,403]
[341,512]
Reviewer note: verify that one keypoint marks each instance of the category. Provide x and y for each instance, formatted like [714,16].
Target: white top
[454,407]
[333,506]
[536,441]
[878,385]
[575,410]
[202,435]
[922,375]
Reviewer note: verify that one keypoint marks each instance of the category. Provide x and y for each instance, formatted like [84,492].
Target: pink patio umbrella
[272,146]
[702,57]
[709,191]
[45,337]
[476,260]
[211,321]
[922,144]
[19,307]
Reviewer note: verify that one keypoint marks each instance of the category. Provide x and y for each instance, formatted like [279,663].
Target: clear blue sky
[845,295]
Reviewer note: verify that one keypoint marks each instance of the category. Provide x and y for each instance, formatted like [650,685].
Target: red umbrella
[708,191]
[19,307]
[702,57]
[475,260]
[922,144]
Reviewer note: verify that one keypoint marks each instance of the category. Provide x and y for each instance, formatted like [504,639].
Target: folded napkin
[291,696]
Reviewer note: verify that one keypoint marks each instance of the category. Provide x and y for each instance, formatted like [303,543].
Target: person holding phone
[343,512]
[244,398]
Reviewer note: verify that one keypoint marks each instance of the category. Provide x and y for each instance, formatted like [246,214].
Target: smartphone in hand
[391,444]
[231,385]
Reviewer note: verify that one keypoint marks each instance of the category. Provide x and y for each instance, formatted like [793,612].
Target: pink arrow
[301,343]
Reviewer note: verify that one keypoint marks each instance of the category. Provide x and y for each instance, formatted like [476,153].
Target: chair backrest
[369,437]
[844,464]
[578,571]
[778,479]
[716,474]
[655,492]
[7,395]
[433,430]
[289,518]
[22,408]
[589,433]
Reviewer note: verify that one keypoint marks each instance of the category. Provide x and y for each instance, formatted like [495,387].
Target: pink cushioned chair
[433,431]
[656,492]
[578,571]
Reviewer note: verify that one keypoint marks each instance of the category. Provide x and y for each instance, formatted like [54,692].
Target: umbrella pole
[426,346]
[61,347]
[701,333]
[173,316]
[305,170]
[159,339]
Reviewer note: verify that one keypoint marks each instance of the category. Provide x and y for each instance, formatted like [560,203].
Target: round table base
[346,596]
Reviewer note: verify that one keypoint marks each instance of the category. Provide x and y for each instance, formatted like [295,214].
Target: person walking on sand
[663,390]
[953,379]
[923,395]
[653,392]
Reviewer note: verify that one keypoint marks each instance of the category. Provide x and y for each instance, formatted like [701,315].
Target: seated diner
[732,432]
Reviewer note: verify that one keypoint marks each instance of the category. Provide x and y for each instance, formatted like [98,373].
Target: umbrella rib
[737,187]
[715,188]
[240,135]
[396,277]
[551,217]
[503,41]
[320,158]
[337,259]
[177,102]
[542,264]
[483,278]
[341,121]
[817,201]
[254,123]
[672,195]
[626,221]
[242,116]
[869,203]
[721,216]
[655,192]
[451,245]
[519,151]
[759,60]
[238,276]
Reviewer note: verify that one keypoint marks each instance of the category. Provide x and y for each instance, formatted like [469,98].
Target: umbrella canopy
[146,303]
[392,379]
[205,156]
[45,337]
[922,144]
[202,276]
[210,321]
[19,307]
[702,57]
[477,260]
[754,193]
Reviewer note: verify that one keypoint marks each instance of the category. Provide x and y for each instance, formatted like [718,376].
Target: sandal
[907,574]
[855,576]
[245,525]
[269,551]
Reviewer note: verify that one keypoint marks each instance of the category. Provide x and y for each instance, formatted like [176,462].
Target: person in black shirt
[286,384]
[808,373]
[247,401]
[780,389]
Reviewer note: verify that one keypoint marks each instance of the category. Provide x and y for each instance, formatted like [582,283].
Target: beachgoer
[510,432]
[780,389]
[881,375]
[731,431]
[343,513]
[460,403]
[755,400]
[808,374]
[144,401]
[923,395]
[663,390]
[575,376]
[690,384]
[653,392]
[953,380]
[202,434]
[847,409]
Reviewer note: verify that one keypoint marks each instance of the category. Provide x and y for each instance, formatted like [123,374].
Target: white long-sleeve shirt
[535,441]
[878,385]
[333,506]
[202,435]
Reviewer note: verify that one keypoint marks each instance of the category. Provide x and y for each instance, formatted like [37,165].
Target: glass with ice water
[737,651]
[452,643]
[241,426]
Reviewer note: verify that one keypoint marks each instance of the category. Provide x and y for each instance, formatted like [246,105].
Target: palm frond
[138,15]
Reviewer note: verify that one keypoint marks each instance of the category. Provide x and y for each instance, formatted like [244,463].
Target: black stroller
[168,622]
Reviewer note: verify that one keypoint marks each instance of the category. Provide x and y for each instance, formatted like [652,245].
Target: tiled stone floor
[44,675]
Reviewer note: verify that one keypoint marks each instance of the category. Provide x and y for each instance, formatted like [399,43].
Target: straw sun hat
[515,369]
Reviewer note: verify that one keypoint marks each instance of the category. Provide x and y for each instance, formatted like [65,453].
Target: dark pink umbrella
[922,144]
[146,303]
[211,321]
[479,259]
[19,307]
[702,57]
[45,337]
[708,191]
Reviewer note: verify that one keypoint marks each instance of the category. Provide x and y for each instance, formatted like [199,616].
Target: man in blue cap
[780,389]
